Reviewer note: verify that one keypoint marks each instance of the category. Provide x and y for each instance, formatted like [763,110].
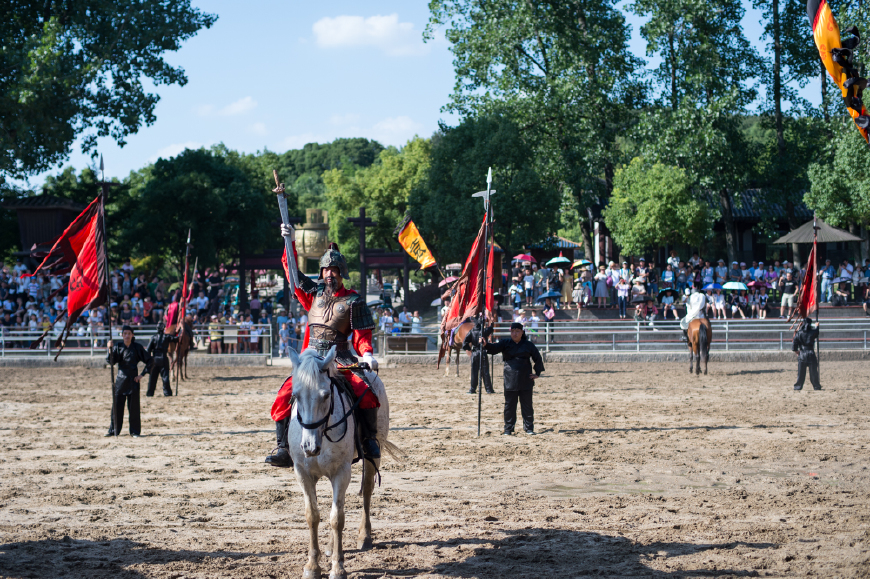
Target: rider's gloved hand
[288,231]
[369,359]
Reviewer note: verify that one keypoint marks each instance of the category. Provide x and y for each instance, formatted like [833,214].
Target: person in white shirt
[529,286]
[674,260]
[746,272]
[405,320]
[416,320]
[695,260]
[719,304]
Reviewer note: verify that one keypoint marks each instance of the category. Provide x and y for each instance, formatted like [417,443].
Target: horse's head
[313,394]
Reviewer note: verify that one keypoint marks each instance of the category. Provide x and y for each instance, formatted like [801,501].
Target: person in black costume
[519,380]
[127,356]
[478,355]
[804,346]
[158,349]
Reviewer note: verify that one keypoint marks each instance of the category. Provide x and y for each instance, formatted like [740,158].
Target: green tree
[840,188]
[526,208]
[561,70]
[198,190]
[79,69]
[382,188]
[653,205]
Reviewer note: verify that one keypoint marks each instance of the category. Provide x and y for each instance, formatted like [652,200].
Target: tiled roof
[556,242]
[43,202]
[752,205]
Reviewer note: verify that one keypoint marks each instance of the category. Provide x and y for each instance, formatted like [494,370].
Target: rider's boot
[685,337]
[369,424]
[281,455]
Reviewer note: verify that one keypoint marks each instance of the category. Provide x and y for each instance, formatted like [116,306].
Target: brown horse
[454,344]
[700,334]
[178,352]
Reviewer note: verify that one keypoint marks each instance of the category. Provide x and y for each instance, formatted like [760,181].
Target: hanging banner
[412,242]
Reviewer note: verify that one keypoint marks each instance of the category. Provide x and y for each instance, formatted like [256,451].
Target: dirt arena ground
[636,470]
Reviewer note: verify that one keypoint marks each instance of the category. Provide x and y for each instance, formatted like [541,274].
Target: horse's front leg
[312,516]
[458,350]
[336,521]
[691,360]
[364,538]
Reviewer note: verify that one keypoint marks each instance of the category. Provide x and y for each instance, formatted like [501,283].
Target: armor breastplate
[329,322]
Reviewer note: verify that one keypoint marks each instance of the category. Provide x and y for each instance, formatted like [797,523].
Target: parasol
[524,257]
[436,302]
[549,294]
[712,286]
[827,234]
[448,280]
[558,260]
[735,285]
[580,263]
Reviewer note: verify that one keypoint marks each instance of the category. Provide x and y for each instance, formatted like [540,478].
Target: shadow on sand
[69,557]
[560,553]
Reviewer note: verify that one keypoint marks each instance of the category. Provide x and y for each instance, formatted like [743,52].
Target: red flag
[469,295]
[808,297]
[83,247]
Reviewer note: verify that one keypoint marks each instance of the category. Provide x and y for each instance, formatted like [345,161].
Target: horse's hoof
[311,573]
[365,544]
[340,574]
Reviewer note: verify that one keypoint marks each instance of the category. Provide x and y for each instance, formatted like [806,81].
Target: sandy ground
[636,471]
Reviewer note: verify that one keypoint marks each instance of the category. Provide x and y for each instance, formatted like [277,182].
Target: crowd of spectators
[646,291]
[37,303]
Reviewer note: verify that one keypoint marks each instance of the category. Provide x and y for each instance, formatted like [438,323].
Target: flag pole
[816,292]
[482,360]
[105,190]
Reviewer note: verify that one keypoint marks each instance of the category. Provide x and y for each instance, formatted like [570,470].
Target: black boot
[280,457]
[472,391]
[685,337]
[369,424]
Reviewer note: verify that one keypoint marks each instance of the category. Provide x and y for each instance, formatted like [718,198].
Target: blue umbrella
[735,285]
[712,286]
[559,259]
[549,294]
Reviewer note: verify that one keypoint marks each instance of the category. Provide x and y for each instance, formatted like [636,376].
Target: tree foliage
[199,190]
[526,208]
[561,70]
[840,187]
[653,205]
[79,68]
[382,188]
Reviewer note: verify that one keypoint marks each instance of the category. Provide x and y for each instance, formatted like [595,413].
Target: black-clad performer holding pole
[127,356]
[519,380]
[804,346]
[158,349]
[479,365]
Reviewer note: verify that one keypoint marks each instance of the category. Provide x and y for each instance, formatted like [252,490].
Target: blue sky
[279,74]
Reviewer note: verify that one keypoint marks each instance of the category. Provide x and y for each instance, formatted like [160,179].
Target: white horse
[323,446]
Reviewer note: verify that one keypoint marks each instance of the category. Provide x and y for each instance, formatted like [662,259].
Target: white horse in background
[321,438]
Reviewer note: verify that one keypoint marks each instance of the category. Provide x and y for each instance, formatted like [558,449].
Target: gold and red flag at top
[836,54]
[412,242]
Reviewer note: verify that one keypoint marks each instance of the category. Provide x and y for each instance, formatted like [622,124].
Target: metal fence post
[614,341]
[726,334]
[637,336]
[780,341]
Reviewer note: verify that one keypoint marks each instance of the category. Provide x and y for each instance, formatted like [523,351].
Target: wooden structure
[42,218]
[378,258]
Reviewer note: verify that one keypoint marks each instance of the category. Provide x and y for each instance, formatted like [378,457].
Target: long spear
[104,192]
[184,296]
[288,244]
[486,249]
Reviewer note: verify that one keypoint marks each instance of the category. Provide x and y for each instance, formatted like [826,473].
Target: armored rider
[804,345]
[335,313]
[158,349]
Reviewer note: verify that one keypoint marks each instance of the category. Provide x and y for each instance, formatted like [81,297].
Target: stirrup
[371,449]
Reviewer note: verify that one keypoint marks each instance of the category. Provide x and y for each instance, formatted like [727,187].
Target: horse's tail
[703,341]
[391,449]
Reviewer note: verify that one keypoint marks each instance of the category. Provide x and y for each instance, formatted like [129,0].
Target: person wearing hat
[721,272]
[127,355]
[335,314]
[158,349]
[735,274]
[522,366]
[804,345]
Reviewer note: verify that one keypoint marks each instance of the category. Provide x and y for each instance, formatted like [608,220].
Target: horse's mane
[309,367]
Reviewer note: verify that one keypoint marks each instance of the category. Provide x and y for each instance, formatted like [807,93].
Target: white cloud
[342,120]
[384,32]
[174,149]
[395,130]
[242,105]
[259,129]
[239,107]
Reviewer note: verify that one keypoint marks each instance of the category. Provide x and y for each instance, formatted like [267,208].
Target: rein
[325,419]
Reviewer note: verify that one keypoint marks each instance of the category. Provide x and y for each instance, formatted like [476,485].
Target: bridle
[325,419]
